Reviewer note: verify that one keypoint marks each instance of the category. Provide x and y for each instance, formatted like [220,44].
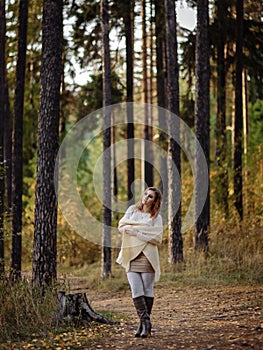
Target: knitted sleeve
[126,217]
[153,238]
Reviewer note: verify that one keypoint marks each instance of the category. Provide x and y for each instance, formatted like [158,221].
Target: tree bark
[7,146]
[174,152]
[106,72]
[2,93]
[238,181]
[17,156]
[202,104]
[246,139]
[152,59]
[160,38]
[77,309]
[221,140]
[148,157]
[129,35]
[45,228]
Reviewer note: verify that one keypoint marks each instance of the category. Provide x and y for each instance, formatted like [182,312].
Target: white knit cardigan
[149,235]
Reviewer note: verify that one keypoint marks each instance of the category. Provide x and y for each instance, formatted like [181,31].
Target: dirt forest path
[216,317]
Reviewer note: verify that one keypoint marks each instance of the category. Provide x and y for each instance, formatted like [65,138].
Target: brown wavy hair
[155,208]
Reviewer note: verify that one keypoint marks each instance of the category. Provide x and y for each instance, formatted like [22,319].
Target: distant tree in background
[238,126]
[221,139]
[129,47]
[83,45]
[161,90]
[7,129]
[2,116]
[106,79]
[202,126]
[17,154]
[8,147]
[45,228]
[147,170]
[174,151]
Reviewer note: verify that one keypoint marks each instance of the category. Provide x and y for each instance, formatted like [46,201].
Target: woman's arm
[126,217]
[156,239]
[150,237]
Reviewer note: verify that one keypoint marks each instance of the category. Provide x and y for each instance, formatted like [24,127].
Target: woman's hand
[129,230]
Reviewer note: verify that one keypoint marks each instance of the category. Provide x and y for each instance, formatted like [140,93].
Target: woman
[142,231]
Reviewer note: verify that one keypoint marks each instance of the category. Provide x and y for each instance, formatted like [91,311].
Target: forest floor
[218,317]
[214,317]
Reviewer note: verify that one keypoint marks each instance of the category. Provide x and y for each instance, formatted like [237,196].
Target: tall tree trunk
[202,103]
[160,38]
[45,229]
[238,186]
[151,90]
[174,152]
[148,167]
[2,118]
[106,72]
[17,178]
[129,35]
[152,55]
[221,140]
[114,165]
[246,138]
[8,146]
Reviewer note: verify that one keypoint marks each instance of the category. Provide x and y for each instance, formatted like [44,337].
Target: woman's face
[148,198]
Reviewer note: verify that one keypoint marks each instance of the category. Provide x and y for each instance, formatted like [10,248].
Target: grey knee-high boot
[144,329]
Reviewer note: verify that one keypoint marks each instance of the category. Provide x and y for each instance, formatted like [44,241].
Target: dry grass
[235,257]
[24,310]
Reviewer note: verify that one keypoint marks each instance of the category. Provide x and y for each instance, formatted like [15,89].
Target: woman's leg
[137,289]
[136,284]
[148,283]
[141,283]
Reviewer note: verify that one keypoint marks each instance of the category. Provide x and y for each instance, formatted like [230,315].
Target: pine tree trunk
[148,167]
[129,34]
[246,139]
[45,228]
[160,38]
[8,146]
[202,104]
[2,93]
[152,60]
[238,181]
[130,161]
[174,152]
[151,95]
[17,176]
[106,71]
[221,140]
